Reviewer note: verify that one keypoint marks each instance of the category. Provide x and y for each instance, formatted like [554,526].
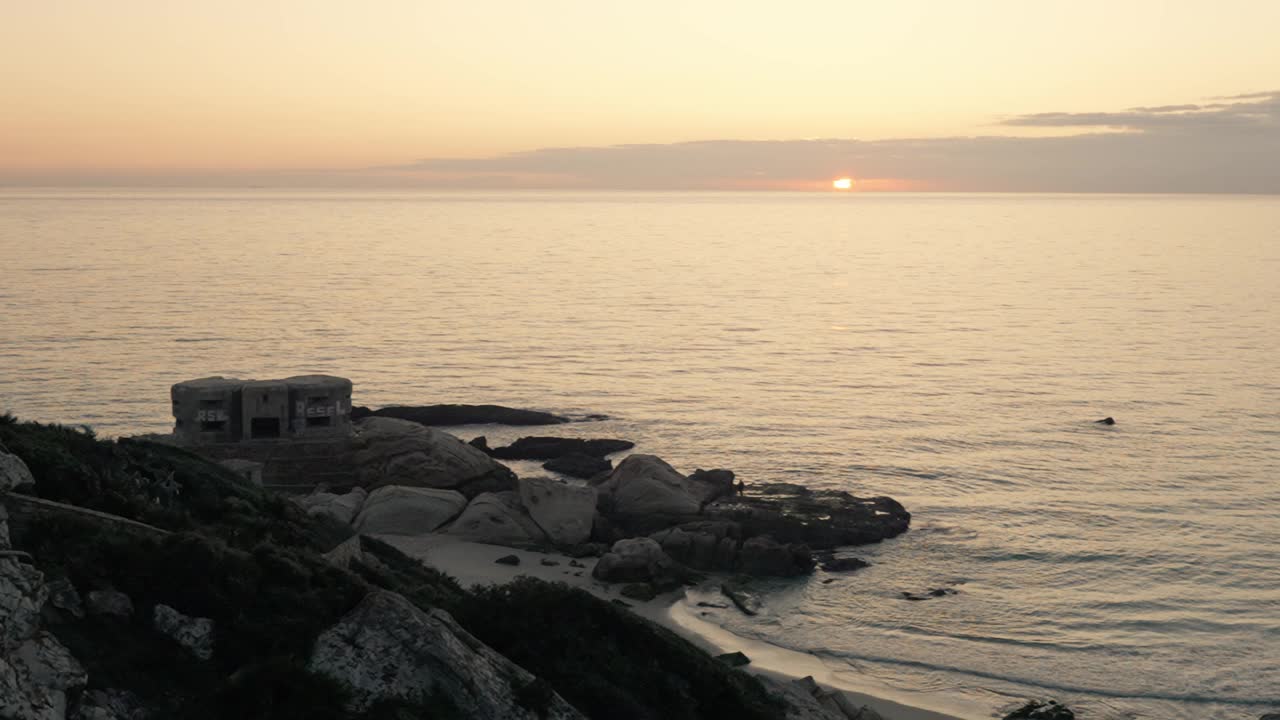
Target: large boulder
[547,448]
[399,452]
[762,555]
[36,677]
[387,648]
[643,486]
[641,560]
[13,471]
[708,485]
[498,519]
[564,512]
[452,415]
[342,508]
[399,510]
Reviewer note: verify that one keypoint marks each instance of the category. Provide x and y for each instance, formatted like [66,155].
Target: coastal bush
[161,485]
[605,661]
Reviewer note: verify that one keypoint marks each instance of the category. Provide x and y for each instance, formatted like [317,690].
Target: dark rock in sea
[508,560]
[576,564]
[741,600]
[578,465]
[1036,710]
[780,489]
[638,591]
[1106,421]
[934,593]
[1270,716]
[763,555]
[480,443]
[844,564]
[719,546]
[828,581]
[734,659]
[721,606]
[448,415]
[548,562]
[549,448]
[822,519]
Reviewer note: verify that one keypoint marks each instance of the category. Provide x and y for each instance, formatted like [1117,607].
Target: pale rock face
[564,512]
[398,510]
[4,528]
[13,472]
[399,452]
[646,485]
[35,678]
[192,633]
[345,552]
[109,602]
[388,648]
[22,596]
[632,560]
[498,519]
[342,508]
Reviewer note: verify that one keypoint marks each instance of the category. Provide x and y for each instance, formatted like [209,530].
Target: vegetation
[250,560]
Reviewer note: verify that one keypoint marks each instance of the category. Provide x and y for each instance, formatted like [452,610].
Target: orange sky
[151,86]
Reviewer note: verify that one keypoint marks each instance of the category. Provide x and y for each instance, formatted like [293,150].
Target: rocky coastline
[227,597]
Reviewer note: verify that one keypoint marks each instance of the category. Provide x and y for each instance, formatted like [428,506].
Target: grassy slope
[250,560]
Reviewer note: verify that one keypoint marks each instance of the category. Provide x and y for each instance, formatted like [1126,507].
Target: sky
[1121,95]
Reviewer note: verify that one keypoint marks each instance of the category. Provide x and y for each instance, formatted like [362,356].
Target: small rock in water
[575,563]
[638,591]
[1106,421]
[1036,710]
[713,605]
[734,659]
[828,581]
[548,562]
[934,593]
[508,560]
[836,564]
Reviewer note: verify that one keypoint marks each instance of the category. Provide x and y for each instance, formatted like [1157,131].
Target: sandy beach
[473,564]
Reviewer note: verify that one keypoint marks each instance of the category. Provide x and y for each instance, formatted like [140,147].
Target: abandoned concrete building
[298,428]
[226,410]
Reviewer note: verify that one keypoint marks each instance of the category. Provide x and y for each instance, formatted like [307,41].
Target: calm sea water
[948,350]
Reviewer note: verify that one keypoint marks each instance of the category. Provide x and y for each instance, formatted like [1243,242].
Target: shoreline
[472,563]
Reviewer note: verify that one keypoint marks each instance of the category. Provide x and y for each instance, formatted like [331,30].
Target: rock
[548,562]
[1270,716]
[342,508]
[4,527]
[765,556]
[109,603]
[497,519]
[934,593]
[452,415]
[846,564]
[640,560]
[801,699]
[575,564]
[346,552]
[387,648]
[35,679]
[63,596]
[400,510]
[248,470]
[399,452]
[1036,710]
[480,443]
[781,489]
[708,485]
[13,472]
[638,591]
[621,603]
[821,519]
[1106,421]
[721,606]
[734,659]
[745,603]
[193,633]
[645,487]
[109,704]
[508,560]
[578,465]
[22,597]
[548,448]
[564,512]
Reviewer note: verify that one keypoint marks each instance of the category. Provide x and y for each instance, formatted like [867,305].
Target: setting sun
[842,184]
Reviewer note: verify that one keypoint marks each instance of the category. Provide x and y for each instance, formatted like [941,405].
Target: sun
[842,184]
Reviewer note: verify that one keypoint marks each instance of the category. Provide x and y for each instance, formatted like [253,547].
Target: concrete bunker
[217,410]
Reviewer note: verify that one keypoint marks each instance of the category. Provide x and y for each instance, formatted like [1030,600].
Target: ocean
[952,351]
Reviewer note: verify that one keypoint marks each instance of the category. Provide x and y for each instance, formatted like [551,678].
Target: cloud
[1229,146]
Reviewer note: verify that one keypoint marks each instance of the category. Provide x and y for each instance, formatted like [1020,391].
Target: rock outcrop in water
[1036,710]
[548,448]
